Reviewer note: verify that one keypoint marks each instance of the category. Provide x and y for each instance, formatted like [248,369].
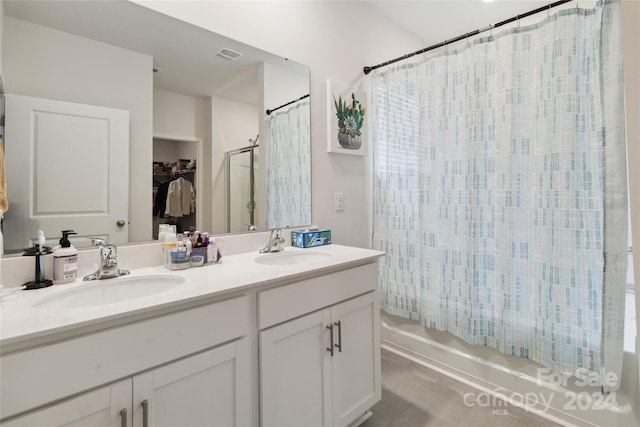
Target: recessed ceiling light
[229,54]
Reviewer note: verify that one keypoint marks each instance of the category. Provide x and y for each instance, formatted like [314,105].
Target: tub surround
[499,377]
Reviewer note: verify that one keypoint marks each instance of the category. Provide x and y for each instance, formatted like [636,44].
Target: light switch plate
[339,201]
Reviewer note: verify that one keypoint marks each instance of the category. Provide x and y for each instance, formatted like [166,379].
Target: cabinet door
[209,389]
[356,365]
[99,408]
[295,379]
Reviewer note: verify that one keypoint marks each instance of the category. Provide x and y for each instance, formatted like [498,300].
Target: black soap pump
[39,251]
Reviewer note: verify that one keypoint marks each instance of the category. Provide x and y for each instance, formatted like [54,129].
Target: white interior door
[67,167]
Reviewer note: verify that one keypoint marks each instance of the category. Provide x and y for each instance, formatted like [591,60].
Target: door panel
[356,368]
[295,379]
[77,159]
[208,389]
[98,408]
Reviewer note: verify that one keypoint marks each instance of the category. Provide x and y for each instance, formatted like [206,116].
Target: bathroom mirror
[179,83]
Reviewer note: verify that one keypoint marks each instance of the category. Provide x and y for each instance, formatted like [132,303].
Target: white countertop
[23,325]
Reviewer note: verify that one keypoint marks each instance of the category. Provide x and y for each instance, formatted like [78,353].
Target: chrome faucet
[275,240]
[108,262]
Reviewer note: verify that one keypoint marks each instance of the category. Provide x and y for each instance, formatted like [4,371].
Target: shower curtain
[500,192]
[288,160]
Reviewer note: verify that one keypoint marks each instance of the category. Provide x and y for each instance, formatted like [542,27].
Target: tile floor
[413,395]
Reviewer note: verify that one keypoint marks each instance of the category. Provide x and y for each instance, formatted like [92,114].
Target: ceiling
[184,53]
[435,21]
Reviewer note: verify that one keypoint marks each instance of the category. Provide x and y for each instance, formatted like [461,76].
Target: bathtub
[522,382]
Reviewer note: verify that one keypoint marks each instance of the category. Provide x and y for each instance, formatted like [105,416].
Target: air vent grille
[228,54]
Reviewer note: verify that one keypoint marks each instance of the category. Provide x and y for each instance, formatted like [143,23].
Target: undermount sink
[109,292]
[293,258]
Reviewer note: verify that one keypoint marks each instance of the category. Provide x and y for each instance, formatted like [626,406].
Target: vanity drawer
[40,375]
[280,304]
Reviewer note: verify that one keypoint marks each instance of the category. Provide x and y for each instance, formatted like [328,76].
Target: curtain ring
[549,10]
[518,16]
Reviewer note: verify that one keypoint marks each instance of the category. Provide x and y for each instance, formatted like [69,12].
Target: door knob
[120,223]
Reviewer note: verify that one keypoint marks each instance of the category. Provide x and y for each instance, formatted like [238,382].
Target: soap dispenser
[65,260]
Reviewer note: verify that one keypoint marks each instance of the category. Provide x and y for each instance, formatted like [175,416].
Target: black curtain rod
[288,103]
[367,70]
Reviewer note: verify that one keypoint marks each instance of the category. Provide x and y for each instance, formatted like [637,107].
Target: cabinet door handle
[123,417]
[145,413]
[339,345]
[330,348]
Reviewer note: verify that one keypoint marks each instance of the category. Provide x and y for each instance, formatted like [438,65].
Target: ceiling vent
[228,54]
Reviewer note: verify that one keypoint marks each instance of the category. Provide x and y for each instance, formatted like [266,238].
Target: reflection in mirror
[242,167]
[160,79]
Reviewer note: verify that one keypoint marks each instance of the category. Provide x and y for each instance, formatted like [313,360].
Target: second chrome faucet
[275,242]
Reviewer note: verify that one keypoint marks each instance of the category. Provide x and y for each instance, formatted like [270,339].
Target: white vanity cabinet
[187,369]
[320,368]
[208,389]
[105,407]
[273,345]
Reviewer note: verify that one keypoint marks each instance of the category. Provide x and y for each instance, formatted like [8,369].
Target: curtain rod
[367,70]
[288,103]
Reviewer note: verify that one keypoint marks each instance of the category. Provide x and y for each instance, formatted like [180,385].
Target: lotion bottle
[65,260]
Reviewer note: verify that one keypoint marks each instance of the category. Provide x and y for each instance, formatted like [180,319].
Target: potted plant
[350,121]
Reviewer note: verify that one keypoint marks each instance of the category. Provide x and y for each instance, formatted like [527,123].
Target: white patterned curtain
[500,191]
[288,159]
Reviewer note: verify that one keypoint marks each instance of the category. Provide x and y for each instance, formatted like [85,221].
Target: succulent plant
[350,117]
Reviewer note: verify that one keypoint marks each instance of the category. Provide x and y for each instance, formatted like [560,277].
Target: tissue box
[309,239]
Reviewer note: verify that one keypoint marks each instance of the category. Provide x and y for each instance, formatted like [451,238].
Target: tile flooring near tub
[413,395]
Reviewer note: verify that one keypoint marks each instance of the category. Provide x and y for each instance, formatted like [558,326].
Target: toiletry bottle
[187,243]
[198,253]
[170,242]
[179,258]
[65,260]
[205,245]
[162,231]
[213,253]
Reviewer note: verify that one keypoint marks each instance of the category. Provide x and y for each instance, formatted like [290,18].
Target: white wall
[336,40]
[180,115]
[47,63]
[165,150]
[1,38]
[630,10]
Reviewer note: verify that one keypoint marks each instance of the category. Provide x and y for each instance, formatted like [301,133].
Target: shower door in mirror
[77,158]
[242,167]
